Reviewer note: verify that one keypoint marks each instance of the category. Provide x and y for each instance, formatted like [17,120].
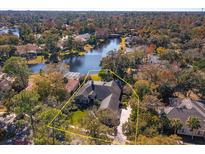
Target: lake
[14,31]
[91,61]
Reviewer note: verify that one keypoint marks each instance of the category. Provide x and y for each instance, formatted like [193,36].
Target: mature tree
[92,40]
[172,56]
[176,124]
[185,36]
[26,34]
[160,50]
[165,91]
[107,117]
[57,87]
[2,134]
[200,64]
[96,129]
[69,43]
[8,40]
[142,87]
[51,42]
[105,75]
[188,79]
[45,135]
[6,51]
[43,87]
[25,102]
[194,124]
[51,87]
[117,63]
[202,88]
[54,57]
[17,67]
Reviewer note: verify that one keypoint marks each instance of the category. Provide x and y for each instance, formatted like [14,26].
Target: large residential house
[62,68]
[183,109]
[28,49]
[82,38]
[107,93]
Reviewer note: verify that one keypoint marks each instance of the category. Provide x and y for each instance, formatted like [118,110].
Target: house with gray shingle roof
[107,93]
[183,109]
[5,83]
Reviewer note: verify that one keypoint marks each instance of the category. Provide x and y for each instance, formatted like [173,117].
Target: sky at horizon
[103,5]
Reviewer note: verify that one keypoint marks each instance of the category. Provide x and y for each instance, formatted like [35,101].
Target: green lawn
[73,52]
[38,59]
[76,117]
[95,77]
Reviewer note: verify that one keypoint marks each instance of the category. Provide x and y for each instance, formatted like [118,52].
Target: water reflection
[90,61]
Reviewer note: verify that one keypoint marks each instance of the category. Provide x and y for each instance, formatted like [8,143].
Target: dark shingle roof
[110,102]
[106,92]
[183,110]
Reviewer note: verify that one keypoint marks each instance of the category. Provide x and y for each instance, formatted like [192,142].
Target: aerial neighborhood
[102,78]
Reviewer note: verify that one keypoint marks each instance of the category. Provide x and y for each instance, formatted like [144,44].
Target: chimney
[92,85]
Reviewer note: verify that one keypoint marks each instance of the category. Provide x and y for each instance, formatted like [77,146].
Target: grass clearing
[95,77]
[76,117]
[38,59]
[73,52]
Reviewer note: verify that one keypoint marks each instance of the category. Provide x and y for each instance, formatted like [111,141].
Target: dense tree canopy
[17,67]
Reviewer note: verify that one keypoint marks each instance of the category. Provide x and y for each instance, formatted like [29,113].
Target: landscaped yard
[72,52]
[38,59]
[95,77]
[76,117]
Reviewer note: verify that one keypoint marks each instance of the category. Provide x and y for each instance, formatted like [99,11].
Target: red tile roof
[72,85]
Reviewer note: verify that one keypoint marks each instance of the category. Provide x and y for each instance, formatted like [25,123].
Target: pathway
[125,114]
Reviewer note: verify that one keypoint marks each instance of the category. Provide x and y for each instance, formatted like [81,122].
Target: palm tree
[194,124]
[176,125]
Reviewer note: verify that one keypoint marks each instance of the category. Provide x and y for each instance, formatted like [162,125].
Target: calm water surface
[91,61]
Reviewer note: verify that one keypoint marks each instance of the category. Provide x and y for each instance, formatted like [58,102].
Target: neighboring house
[61,42]
[72,75]
[5,82]
[67,27]
[129,50]
[72,85]
[139,48]
[101,33]
[82,38]
[107,93]
[28,49]
[21,134]
[73,81]
[62,68]
[5,85]
[153,59]
[183,109]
